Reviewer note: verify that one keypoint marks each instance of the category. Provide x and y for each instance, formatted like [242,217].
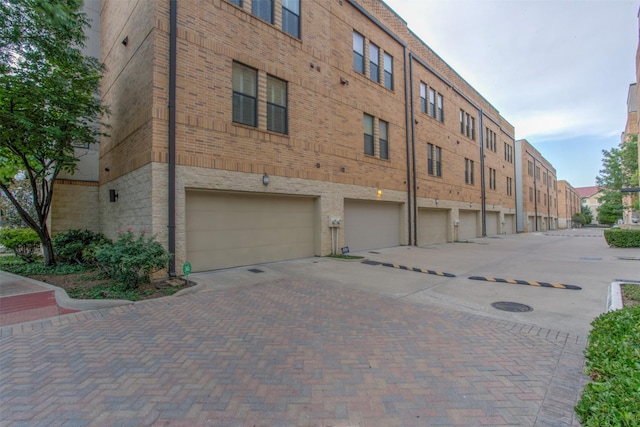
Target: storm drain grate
[514,307]
[256,270]
[374,252]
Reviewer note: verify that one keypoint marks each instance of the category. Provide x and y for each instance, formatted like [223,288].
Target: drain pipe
[173,25]
[410,145]
[483,185]
[535,192]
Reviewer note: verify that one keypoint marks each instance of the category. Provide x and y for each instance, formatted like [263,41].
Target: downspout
[411,149]
[535,193]
[548,201]
[483,187]
[173,25]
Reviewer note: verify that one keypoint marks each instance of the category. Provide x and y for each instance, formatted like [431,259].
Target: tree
[49,101]
[579,219]
[587,213]
[619,169]
[21,189]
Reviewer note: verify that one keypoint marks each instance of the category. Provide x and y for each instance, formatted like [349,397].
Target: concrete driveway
[319,342]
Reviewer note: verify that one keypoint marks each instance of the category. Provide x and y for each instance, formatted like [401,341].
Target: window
[509,186]
[440,108]
[276,105]
[473,128]
[263,9]
[508,153]
[492,179]
[432,102]
[236,2]
[358,52]
[423,97]
[368,135]
[244,95]
[384,139]
[374,62]
[490,143]
[529,167]
[462,122]
[467,125]
[538,196]
[530,194]
[434,160]
[538,172]
[388,71]
[291,17]
[544,178]
[468,171]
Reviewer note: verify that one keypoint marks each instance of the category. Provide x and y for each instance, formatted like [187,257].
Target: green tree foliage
[24,242]
[587,213]
[579,218]
[619,170]
[49,101]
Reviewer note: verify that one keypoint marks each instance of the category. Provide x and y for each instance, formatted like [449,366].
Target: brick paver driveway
[286,352]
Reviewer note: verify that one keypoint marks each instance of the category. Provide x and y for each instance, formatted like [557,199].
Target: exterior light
[265,179]
[379,193]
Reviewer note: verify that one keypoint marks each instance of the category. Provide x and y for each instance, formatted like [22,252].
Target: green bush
[24,242]
[621,238]
[613,362]
[131,260]
[78,246]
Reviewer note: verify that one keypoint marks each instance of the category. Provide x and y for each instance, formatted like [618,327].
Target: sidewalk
[24,300]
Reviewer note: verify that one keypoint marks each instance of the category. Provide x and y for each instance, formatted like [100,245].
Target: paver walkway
[286,353]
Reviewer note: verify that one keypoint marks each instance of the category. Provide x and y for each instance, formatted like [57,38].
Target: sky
[557,70]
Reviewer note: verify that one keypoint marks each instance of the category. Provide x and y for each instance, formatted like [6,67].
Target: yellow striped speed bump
[527,282]
[404,267]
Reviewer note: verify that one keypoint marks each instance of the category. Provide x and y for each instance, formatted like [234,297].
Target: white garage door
[492,219]
[432,226]
[229,229]
[509,224]
[468,227]
[371,224]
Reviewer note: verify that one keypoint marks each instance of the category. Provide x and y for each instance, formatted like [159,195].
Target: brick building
[254,131]
[537,190]
[569,203]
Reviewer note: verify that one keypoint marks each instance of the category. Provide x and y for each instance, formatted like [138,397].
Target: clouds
[557,70]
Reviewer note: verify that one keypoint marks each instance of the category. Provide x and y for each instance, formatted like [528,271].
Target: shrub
[131,260]
[613,362]
[621,238]
[78,246]
[24,242]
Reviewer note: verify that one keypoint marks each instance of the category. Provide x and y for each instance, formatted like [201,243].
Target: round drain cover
[515,307]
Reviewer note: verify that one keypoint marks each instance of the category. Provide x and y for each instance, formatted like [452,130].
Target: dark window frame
[283,109]
[257,9]
[240,99]
[290,14]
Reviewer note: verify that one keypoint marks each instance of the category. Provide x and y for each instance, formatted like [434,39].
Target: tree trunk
[47,247]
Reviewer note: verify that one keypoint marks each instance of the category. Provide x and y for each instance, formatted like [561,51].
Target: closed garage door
[509,224]
[468,227]
[492,223]
[370,225]
[432,226]
[228,230]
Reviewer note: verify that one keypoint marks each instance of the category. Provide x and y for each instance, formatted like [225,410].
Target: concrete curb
[614,298]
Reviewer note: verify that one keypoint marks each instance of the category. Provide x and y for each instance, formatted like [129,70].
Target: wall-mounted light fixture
[265,179]
[379,193]
[344,81]
[125,41]
[113,196]
[436,201]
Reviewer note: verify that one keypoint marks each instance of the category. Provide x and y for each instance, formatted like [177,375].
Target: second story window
[276,105]
[263,9]
[440,108]
[358,52]
[423,97]
[291,17]
[368,135]
[432,102]
[468,172]
[384,139]
[374,62]
[388,71]
[245,95]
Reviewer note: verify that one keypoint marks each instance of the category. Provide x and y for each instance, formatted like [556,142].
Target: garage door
[371,224]
[468,227]
[229,230]
[432,226]
[509,224]
[492,220]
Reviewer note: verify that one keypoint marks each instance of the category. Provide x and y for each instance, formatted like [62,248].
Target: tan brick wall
[74,206]
[568,203]
[545,193]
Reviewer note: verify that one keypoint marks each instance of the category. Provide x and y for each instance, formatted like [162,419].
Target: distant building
[589,197]
[537,198]
[569,204]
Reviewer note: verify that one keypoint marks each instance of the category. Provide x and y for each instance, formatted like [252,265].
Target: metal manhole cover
[256,270]
[514,307]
